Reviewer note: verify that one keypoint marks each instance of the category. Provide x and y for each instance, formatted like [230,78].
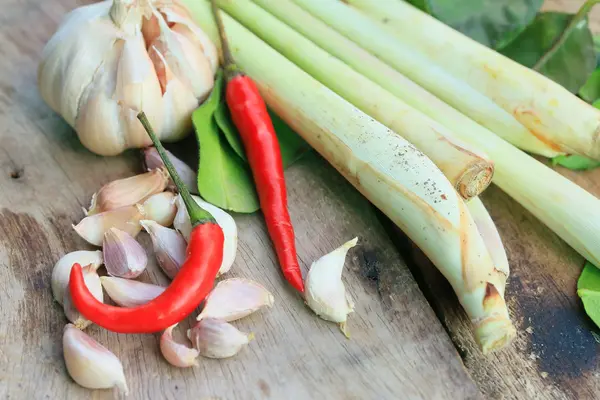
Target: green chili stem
[196,213]
[230,69]
[577,18]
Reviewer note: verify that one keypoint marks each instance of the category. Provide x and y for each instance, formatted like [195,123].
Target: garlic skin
[89,363]
[129,293]
[92,281]
[188,176]
[177,354]
[161,208]
[215,338]
[225,221]
[170,248]
[235,298]
[97,72]
[325,292]
[123,255]
[128,191]
[62,269]
[127,219]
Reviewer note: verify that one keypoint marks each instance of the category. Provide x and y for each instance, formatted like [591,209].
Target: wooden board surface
[398,346]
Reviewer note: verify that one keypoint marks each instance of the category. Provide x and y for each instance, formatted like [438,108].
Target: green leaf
[203,115]
[223,178]
[588,289]
[490,22]
[223,119]
[591,90]
[291,145]
[575,162]
[596,103]
[569,63]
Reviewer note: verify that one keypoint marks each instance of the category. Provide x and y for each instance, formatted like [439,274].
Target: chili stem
[197,214]
[230,69]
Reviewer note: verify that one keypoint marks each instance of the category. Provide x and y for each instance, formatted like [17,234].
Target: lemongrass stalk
[488,231]
[546,108]
[410,62]
[567,209]
[383,166]
[468,170]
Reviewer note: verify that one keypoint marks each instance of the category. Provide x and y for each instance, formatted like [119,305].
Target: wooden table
[402,346]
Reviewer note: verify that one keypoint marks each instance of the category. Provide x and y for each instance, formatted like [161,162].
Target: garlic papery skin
[128,191]
[127,219]
[129,293]
[92,281]
[177,354]
[215,338]
[325,292]
[62,269]
[235,298]
[152,160]
[170,248]
[224,220]
[161,208]
[89,363]
[124,257]
[97,72]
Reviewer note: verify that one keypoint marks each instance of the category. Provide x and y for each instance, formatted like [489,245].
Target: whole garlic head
[109,60]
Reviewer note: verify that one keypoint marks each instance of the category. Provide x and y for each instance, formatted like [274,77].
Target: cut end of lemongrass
[494,333]
[475,180]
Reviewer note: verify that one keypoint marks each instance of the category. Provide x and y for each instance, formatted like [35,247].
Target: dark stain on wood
[561,339]
[369,264]
[264,388]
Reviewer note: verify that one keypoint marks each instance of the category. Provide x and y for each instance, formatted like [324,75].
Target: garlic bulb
[177,354]
[215,338]
[123,255]
[130,293]
[109,60]
[93,283]
[325,292]
[161,208]
[62,269]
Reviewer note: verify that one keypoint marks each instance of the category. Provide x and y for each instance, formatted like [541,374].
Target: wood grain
[398,346]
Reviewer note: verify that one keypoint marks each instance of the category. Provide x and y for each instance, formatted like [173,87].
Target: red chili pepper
[190,287]
[250,116]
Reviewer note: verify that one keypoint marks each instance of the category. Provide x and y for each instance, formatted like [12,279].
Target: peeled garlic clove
[170,248]
[127,219]
[89,363]
[123,255]
[128,293]
[177,354]
[128,191]
[161,208]
[215,338]
[325,291]
[235,298]
[225,221]
[188,176]
[92,281]
[62,269]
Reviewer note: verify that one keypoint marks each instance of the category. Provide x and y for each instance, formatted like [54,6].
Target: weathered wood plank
[398,347]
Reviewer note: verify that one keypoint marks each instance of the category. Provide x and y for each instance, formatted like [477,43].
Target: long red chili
[190,287]
[250,116]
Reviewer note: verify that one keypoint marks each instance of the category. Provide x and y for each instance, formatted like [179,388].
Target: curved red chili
[190,287]
[250,116]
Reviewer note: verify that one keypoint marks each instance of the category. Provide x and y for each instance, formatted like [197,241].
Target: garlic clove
[178,98]
[177,354]
[92,228]
[129,293]
[138,89]
[128,191]
[225,221]
[215,338]
[89,363]
[62,269]
[92,281]
[161,208]
[325,292]
[123,255]
[170,248]
[235,298]
[187,175]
